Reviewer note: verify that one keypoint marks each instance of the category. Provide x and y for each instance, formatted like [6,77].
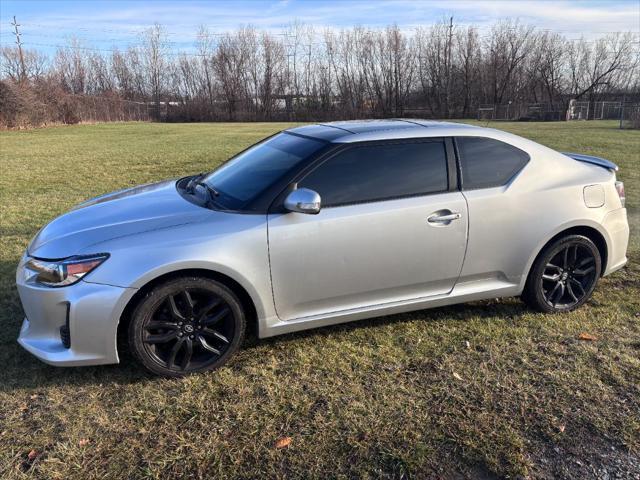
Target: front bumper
[91,311]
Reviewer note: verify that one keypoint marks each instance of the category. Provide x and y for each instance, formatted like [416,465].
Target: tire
[563,275]
[186,325]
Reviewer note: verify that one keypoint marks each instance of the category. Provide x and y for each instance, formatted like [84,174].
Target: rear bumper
[617,227]
[91,311]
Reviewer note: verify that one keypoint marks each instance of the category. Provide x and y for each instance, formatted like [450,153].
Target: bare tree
[467,58]
[155,49]
[432,61]
[507,48]
[271,74]
[594,68]
[206,51]
[446,69]
[99,76]
[70,65]
[230,66]
[387,68]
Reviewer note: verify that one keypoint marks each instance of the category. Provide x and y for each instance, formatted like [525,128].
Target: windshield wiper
[210,190]
[193,181]
[196,181]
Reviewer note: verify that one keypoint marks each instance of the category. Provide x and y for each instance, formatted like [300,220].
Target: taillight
[620,190]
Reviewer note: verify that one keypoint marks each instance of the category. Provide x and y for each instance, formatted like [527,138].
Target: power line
[57,38]
[138,31]
[106,50]
[124,30]
[120,44]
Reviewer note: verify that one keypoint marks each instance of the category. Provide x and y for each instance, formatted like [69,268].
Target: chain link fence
[627,113]
[630,115]
[533,112]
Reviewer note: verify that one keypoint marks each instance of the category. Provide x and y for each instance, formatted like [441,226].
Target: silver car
[314,226]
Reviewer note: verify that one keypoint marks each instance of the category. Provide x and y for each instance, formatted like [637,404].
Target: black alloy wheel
[567,277]
[564,275]
[186,325]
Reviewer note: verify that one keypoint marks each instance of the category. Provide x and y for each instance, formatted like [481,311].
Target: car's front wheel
[564,275]
[186,325]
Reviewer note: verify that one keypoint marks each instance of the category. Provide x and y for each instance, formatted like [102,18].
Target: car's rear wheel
[564,275]
[186,325]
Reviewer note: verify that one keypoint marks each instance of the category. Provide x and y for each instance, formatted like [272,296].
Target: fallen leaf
[34,396]
[24,407]
[457,376]
[83,442]
[561,428]
[587,337]
[283,442]
[32,455]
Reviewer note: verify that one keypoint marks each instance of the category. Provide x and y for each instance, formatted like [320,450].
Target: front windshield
[250,173]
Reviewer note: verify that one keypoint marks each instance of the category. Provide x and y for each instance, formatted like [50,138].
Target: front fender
[256,296]
[236,247]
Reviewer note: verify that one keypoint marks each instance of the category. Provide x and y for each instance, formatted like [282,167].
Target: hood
[118,214]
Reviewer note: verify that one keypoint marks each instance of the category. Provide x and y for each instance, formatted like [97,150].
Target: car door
[511,218]
[392,228]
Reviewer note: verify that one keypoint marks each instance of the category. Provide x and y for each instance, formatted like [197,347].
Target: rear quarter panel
[509,225]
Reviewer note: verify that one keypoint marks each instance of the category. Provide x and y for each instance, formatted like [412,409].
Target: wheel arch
[591,231]
[236,287]
[592,234]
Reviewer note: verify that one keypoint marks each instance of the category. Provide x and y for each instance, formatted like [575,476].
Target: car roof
[367,130]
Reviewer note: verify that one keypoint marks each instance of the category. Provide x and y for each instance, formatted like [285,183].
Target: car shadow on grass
[509,308]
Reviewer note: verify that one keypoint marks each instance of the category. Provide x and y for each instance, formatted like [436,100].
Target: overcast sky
[105,24]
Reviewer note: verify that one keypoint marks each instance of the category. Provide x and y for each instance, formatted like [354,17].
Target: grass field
[482,390]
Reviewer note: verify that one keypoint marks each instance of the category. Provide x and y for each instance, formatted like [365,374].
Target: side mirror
[303,200]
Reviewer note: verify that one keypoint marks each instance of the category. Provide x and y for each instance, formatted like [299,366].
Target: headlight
[60,273]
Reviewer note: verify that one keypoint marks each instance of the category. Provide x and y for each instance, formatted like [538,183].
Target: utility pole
[308,79]
[23,73]
[448,56]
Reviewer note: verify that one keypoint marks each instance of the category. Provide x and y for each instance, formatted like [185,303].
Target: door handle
[443,218]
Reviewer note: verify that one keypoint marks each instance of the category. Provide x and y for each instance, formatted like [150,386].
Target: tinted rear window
[486,162]
[379,172]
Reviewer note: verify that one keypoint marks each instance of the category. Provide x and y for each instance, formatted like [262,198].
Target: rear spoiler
[601,162]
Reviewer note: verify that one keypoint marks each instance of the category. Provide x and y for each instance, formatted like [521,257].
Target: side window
[485,162]
[378,172]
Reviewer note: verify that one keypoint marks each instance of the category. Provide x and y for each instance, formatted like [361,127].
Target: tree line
[439,71]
